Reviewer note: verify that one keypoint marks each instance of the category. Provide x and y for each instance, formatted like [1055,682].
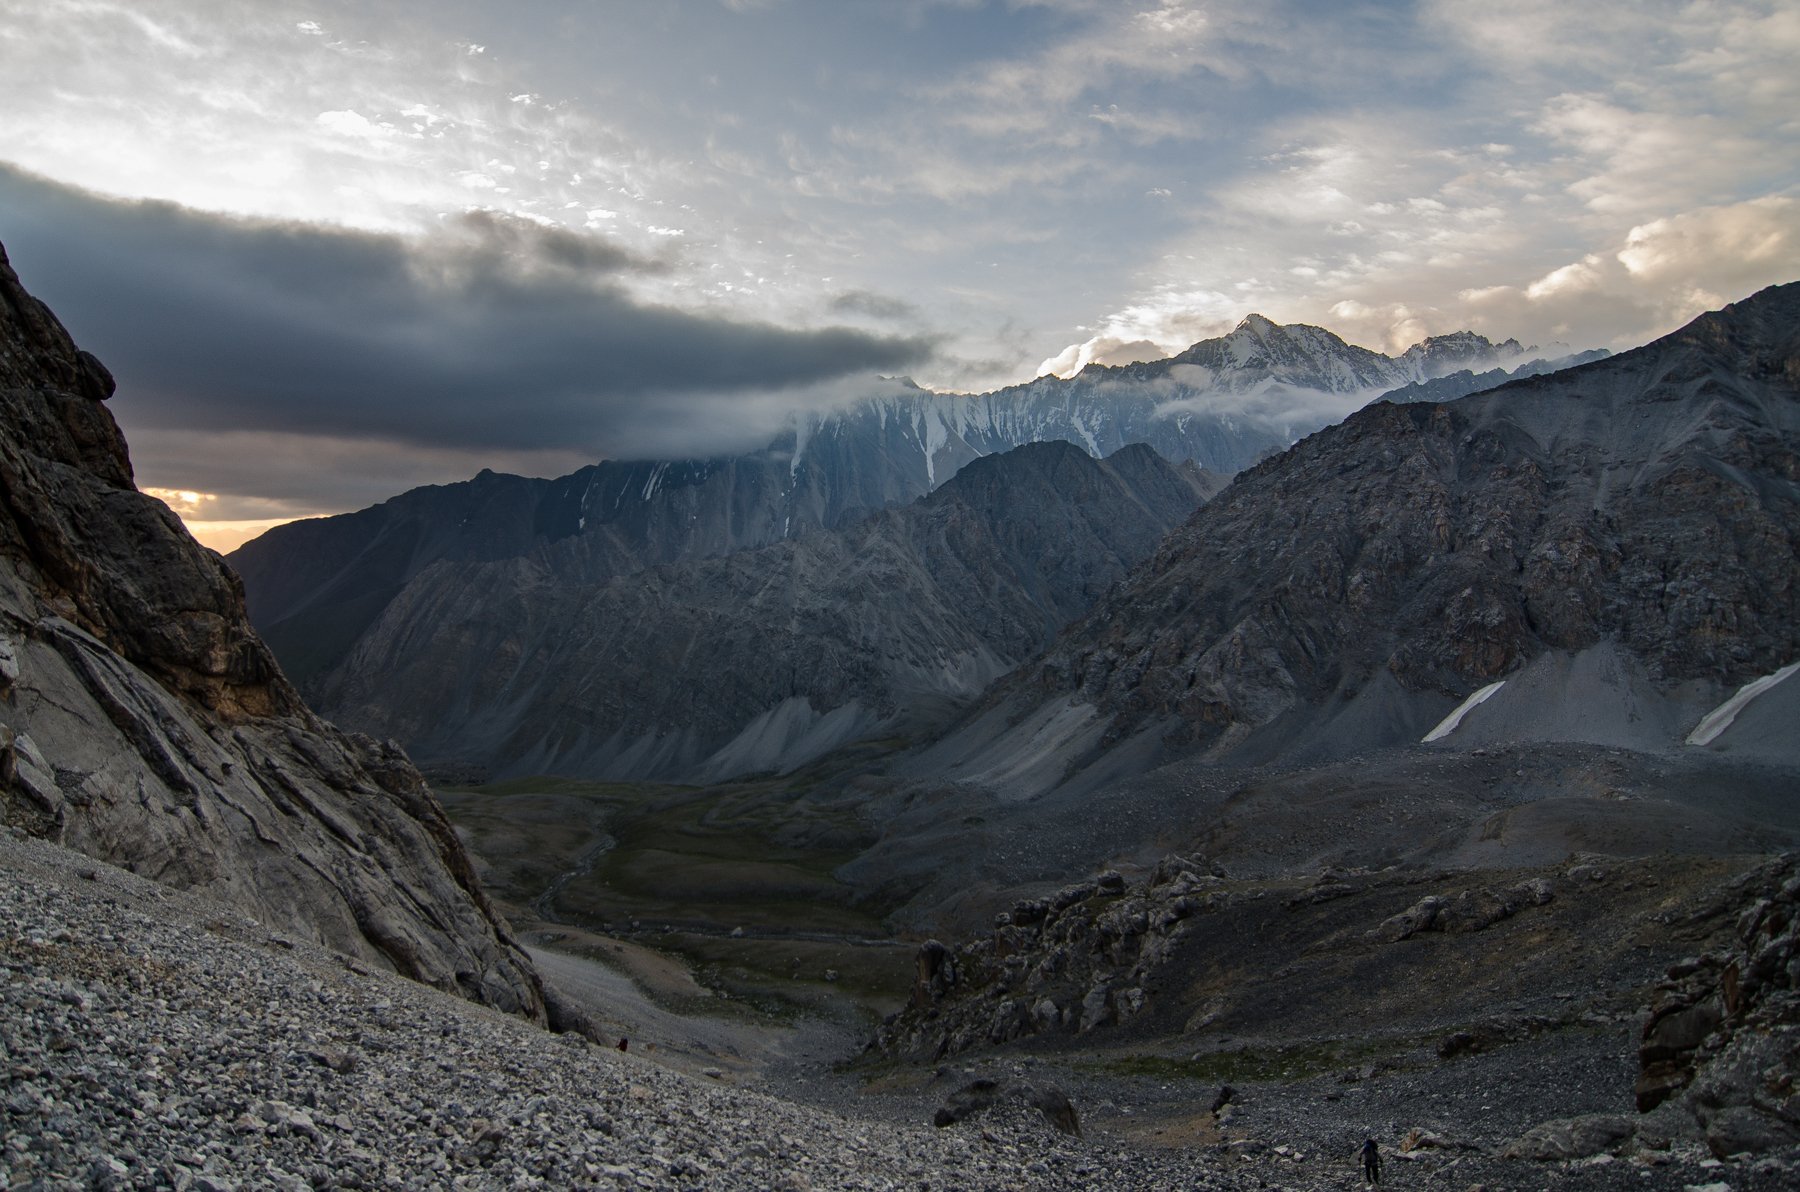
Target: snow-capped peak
[1436,355]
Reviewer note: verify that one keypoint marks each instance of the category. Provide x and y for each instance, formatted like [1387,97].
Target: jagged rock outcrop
[143,722]
[1065,963]
[1096,953]
[1632,524]
[1724,1031]
[1470,910]
[762,659]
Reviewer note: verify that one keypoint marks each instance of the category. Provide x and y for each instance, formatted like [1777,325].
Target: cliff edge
[143,722]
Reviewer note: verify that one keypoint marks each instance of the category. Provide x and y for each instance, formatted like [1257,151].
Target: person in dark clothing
[1371,1160]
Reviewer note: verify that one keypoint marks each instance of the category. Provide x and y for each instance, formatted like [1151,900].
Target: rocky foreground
[156,1039]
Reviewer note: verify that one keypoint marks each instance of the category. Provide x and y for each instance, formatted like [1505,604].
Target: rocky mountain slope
[156,1038]
[316,587]
[143,722]
[762,659]
[1619,544]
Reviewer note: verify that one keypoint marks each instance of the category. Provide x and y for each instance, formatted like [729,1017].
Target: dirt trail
[736,1049]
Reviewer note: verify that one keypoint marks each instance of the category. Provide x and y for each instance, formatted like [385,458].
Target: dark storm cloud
[494,333]
[873,305]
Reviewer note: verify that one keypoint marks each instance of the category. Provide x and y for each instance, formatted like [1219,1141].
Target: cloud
[1061,179]
[1629,151]
[495,334]
[1723,248]
[1188,389]
[272,476]
[884,307]
[1664,272]
[1102,349]
[1171,317]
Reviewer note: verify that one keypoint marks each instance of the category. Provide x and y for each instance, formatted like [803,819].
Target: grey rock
[147,725]
[1726,1026]
[1572,1138]
[982,1095]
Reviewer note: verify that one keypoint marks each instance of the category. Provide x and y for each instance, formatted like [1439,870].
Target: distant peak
[1256,325]
[1463,340]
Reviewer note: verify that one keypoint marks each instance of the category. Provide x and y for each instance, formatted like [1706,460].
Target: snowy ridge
[1224,403]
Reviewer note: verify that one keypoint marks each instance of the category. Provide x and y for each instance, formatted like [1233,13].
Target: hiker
[1371,1159]
[624,1044]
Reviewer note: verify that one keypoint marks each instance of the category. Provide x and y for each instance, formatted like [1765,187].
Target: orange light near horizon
[184,501]
[227,536]
[222,536]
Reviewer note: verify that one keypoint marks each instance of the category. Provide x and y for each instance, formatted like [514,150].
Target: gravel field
[151,1038]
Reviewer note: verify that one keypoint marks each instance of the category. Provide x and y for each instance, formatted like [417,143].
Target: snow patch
[655,481]
[802,435]
[1720,718]
[1448,724]
[932,433]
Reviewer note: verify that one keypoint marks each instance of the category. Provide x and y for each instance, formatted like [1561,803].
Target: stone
[1421,916]
[935,973]
[148,726]
[1571,1138]
[1742,1130]
[1096,1007]
[982,1095]
[1726,1026]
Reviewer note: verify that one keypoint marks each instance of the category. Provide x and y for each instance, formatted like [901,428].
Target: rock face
[318,590]
[1724,1032]
[1065,963]
[1632,525]
[1190,954]
[143,722]
[762,659]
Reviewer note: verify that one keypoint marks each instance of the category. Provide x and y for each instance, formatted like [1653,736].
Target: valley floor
[156,1039]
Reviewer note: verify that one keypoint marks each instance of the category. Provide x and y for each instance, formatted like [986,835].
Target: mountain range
[1617,543]
[765,658]
[1425,775]
[424,618]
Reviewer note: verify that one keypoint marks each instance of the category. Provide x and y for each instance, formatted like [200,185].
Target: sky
[336,250]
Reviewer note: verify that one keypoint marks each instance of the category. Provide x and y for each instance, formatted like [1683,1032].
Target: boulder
[1726,1026]
[984,1094]
[1572,1138]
